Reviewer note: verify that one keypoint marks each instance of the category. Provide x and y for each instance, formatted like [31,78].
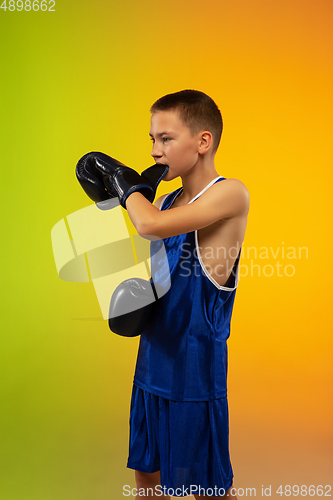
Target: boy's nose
[156,153]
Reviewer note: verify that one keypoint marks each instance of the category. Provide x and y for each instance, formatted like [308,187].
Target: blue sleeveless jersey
[182,353]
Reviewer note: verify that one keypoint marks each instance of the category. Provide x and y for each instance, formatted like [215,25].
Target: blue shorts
[188,441]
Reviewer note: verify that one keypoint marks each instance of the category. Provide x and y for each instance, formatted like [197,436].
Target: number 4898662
[33,5]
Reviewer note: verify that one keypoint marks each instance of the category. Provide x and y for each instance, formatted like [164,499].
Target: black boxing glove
[131,306]
[122,181]
[91,179]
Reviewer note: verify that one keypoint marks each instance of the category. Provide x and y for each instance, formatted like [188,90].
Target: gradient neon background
[83,78]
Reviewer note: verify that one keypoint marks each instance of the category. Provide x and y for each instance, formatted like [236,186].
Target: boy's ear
[205,142]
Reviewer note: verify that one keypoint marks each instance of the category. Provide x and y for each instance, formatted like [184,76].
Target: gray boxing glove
[131,306]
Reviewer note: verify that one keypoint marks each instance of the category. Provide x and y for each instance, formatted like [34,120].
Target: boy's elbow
[146,228]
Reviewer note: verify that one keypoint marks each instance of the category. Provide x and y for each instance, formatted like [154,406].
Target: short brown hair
[197,111]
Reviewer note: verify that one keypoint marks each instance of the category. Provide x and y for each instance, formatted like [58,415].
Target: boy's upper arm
[223,200]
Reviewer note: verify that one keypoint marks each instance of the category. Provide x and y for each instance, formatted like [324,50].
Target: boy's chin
[170,176]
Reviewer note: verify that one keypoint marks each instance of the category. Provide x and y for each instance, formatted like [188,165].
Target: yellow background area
[82,78]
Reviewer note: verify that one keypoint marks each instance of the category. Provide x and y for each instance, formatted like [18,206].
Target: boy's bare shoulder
[233,184]
[231,192]
[231,187]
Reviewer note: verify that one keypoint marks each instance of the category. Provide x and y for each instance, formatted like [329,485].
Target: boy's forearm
[142,213]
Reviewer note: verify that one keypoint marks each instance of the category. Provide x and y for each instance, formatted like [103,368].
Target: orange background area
[83,78]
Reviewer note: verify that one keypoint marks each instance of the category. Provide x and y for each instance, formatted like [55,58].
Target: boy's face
[173,143]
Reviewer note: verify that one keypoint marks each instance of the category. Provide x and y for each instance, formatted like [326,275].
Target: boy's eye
[164,139]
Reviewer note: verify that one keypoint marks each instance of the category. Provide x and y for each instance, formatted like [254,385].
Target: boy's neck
[196,179]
